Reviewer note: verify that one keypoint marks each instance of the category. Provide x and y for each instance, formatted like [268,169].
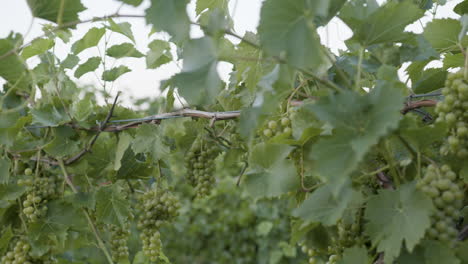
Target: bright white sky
[15,16]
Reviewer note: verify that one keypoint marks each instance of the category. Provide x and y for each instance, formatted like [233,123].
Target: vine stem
[91,223]
[359,66]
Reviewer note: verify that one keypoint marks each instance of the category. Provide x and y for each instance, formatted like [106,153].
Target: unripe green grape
[272,125]
[28,172]
[285,121]
[267,132]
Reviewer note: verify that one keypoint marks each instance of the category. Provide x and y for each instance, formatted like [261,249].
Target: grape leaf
[132,2]
[62,145]
[123,50]
[82,200]
[324,207]
[387,23]
[443,34]
[461,8]
[453,60]
[50,10]
[90,39]
[4,170]
[60,217]
[430,80]
[123,28]
[201,5]
[37,46]
[114,73]
[124,142]
[358,124]
[70,61]
[10,124]
[90,65]
[159,53]
[112,207]
[286,29]
[270,174]
[354,255]
[5,238]
[82,109]
[9,192]
[49,115]
[148,139]
[12,68]
[199,82]
[395,216]
[437,252]
[170,16]
[355,13]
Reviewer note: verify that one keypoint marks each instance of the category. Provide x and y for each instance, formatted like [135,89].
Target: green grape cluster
[118,241]
[440,184]
[20,255]
[200,165]
[40,190]
[277,127]
[156,207]
[311,253]
[453,110]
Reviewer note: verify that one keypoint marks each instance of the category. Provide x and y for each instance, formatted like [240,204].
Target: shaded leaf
[148,139]
[90,39]
[286,29]
[50,10]
[38,46]
[123,50]
[324,207]
[395,216]
[112,206]
[159,53]
[90,65]
[70,61]
[170,16]
[114,73]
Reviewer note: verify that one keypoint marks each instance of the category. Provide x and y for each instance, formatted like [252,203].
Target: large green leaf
[4,170]
[199,82]
[148,139]
[12,68]
[88,66]
[387,24]
[170,16]
[354,255]
[395,216]
[270,173]
[51,10]
[49,115]
[443,34]
[430,80]
[201,5]
[123,28]
[63,144]
[38,46]
[324,207]
[159,53]
[114,73]
[359,122]
[286,29]
[123,50]
[112,206]
[10,125]
[132,2]
[60,217]
[90,39]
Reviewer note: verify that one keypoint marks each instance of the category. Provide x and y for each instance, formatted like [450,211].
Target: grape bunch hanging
[277,127]
[118,241]
[200,164]
[156,206]
[453,110]
[40,190]
[19,254]
[443,187]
